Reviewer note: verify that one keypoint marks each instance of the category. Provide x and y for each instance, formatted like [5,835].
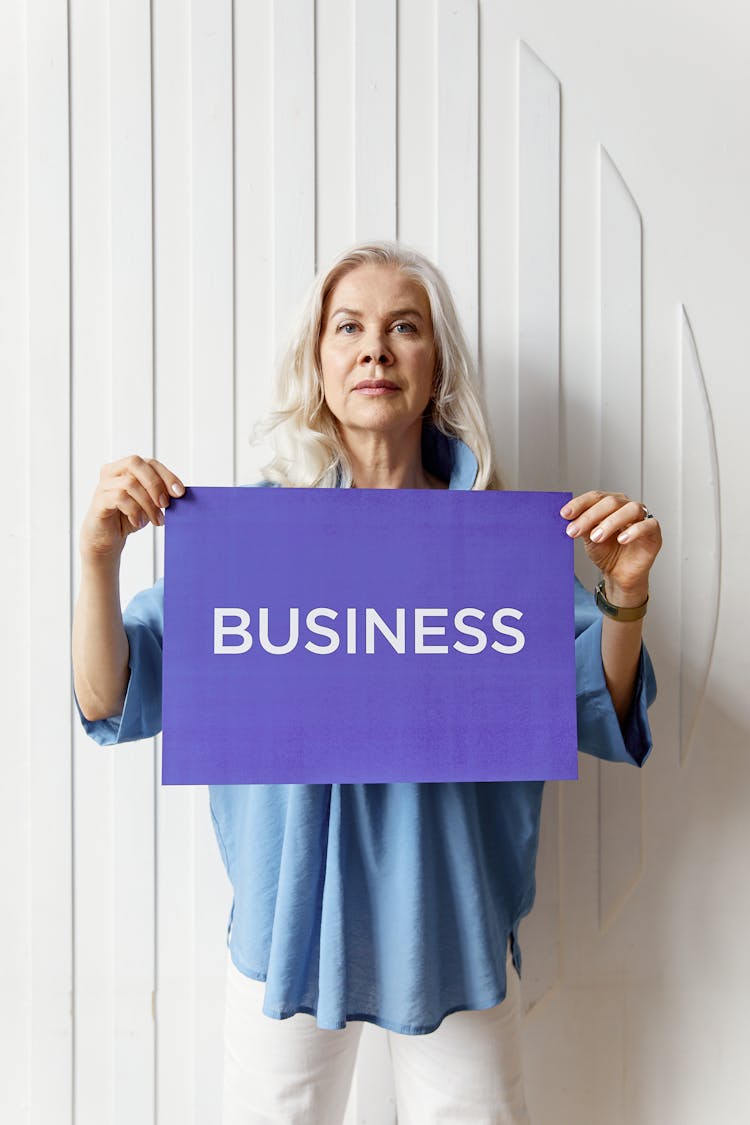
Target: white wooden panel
[94,1008]
[457,171]
[212,239]
[212,278]
[177,1062]
[417,93]
[538,272]
[538,397]
[498,272]
[131,343]
[700,534]
[48,479]
[620,790]
[15,795]
[293,159]
[254,344]
[374,119]
[334,127]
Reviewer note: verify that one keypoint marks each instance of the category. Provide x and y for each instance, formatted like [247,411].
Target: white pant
[293,1072]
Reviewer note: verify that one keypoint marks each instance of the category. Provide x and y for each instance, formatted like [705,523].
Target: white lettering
[470,630]
[351,630]
[322,631]
[265,642]
[222,630]
[507,631]
[421,630]
[373,621]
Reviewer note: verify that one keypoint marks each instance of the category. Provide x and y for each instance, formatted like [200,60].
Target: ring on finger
[647,515]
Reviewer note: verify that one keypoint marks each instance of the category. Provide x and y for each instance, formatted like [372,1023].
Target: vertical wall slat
[177,1065]
[294,260]
[620,791]
[416,131]
[457,168]
[212,279]
[538,397]
[49,562]
[374,119]
[92,447]
[334,127]
[254,344]
[131,344]
[538,273]
[15,656]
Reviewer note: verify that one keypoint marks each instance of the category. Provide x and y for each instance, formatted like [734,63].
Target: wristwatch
[617,612]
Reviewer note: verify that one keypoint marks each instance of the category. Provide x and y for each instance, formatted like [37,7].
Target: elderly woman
[397,904]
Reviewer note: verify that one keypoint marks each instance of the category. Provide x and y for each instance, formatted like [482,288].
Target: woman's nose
[375,351]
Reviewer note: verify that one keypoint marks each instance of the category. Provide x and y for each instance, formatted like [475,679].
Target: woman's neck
[388,461]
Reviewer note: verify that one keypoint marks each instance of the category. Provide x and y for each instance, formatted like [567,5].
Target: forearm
[621,648]
[100,644]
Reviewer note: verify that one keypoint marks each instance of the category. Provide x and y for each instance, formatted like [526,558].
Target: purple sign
[367,635]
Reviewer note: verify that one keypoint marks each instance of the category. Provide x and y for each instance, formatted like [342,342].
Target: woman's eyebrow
[392,313]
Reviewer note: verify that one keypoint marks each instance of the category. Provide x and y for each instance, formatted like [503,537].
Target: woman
[397,904]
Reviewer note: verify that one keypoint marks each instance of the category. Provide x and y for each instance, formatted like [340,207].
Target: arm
[623,544]
[130,493]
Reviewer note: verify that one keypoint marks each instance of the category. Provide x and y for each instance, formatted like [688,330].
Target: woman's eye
[343,328]
[405,326]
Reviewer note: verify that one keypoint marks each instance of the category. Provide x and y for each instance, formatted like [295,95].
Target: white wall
[172,176]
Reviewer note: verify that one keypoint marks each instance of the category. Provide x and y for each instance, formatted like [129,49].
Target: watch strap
[617,612]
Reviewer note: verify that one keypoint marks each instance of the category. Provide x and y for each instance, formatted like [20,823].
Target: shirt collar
[448,458]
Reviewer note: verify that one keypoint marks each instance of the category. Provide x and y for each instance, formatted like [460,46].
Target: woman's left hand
[621,539]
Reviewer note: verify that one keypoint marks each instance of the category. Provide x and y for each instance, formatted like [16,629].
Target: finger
[645,529]
[155,478]
[603,505]
[579,504]
[111,500]
[174,485]
[624,516]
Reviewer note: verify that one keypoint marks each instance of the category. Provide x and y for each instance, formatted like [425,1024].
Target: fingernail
[160,517]
[163,500]
[178,488]
[622,537]
[596,534]
[571,530]
[566,511]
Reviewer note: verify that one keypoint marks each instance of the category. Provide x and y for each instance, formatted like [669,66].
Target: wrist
[628,597]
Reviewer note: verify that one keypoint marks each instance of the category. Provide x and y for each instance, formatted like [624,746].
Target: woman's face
[377,351]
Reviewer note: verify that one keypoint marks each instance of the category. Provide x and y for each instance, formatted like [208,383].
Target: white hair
[308,451]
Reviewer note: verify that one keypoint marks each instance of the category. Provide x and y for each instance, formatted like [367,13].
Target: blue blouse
[390,903]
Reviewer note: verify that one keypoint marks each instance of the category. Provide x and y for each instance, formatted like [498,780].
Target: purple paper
[434,636]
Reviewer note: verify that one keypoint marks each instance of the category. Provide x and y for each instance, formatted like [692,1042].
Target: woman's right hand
[131,493]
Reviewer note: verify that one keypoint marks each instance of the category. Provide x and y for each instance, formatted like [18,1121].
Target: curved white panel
[700,538]
[538,273]
[620,789]
[374,119]
[457,171]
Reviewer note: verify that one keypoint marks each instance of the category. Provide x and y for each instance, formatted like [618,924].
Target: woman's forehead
[382,286]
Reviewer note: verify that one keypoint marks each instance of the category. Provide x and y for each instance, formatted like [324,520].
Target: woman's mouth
[376,387]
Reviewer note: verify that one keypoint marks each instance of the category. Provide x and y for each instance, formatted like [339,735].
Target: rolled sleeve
[599,730]
[143,621]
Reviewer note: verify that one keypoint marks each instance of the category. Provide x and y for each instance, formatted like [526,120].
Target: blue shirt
[390,903]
